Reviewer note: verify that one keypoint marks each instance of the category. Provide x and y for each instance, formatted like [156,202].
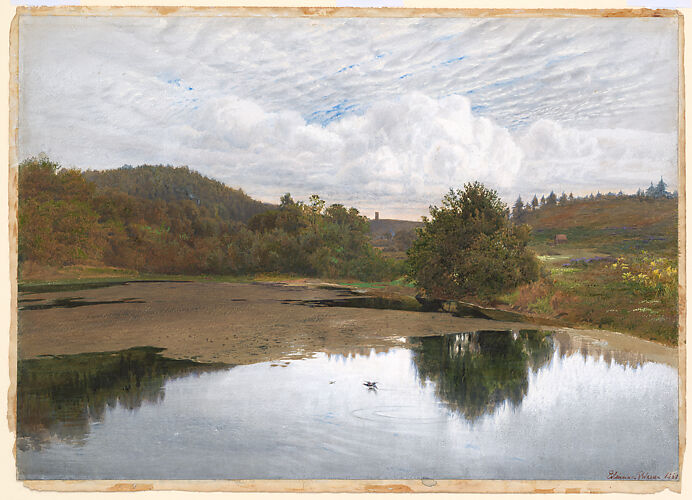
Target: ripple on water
[409,414]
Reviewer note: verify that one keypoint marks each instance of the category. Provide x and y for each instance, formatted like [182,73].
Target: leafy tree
[57,225]
[468,247]
[286,201]
[563,199]
[571,197]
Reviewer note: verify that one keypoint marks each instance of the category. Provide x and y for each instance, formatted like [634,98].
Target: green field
[617,270]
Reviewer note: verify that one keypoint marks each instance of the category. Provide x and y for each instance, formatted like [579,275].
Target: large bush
[469,248]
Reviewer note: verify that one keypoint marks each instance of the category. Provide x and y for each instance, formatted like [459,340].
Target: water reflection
[572,343]
[475,372]
[59,397]
[479,405]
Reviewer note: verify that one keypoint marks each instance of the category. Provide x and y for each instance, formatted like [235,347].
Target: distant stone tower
[377,215]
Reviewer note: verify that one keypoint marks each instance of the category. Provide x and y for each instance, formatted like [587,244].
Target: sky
[382,114]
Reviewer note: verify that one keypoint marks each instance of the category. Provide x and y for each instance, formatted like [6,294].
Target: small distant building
[560,238]
[377,215]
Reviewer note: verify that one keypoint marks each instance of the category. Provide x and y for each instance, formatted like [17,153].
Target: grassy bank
[34,276]
[600,293]
[618,269]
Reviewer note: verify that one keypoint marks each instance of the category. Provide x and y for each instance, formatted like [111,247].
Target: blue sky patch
[453,60]
[325,116]
[346,68]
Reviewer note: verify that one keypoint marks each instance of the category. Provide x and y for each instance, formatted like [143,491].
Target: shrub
[469,247]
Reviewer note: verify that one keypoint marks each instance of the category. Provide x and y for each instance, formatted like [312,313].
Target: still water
[492,405]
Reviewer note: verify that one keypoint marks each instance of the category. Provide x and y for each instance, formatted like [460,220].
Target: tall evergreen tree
[660,191]
[518,209]
[534,202]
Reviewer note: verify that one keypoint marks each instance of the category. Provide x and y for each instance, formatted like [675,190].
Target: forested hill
[156,182]
[174,221]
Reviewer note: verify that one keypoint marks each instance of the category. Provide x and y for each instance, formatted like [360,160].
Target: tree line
[521,209]
[66,219]
[468,247]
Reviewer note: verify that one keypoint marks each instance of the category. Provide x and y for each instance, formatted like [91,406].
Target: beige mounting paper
[425,486]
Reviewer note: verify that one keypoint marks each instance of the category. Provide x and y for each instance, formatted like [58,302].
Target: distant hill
[156,182]
[167,220]
[612,225]
[379,227]
[393,236]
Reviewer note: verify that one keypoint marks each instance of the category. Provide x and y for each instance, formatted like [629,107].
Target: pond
[520,404]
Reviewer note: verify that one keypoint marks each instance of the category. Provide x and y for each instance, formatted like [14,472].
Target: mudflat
[235,323]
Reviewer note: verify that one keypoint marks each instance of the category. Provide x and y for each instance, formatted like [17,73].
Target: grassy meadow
[618,269]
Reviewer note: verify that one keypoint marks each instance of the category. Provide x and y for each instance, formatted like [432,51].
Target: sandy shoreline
[242,323]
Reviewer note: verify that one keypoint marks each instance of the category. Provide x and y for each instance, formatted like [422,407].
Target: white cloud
[582,161]
[381,114]
[399,154]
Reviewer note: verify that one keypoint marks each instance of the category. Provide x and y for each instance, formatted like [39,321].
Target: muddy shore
[241,323]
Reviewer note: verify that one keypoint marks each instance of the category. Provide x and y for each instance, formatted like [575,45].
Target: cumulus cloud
[381,114]
[400,155]
[583,161]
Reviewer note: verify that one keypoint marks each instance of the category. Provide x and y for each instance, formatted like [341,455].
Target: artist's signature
[643,476]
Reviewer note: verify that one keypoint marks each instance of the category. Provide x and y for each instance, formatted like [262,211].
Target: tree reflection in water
[476,372]
[59,397]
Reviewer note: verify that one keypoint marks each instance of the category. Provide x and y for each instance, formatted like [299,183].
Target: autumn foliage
[179,222]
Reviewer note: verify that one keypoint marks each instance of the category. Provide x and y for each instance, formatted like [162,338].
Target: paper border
[355,486]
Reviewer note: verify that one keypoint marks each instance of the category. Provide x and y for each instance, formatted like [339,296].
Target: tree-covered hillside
[179,222]
[157,182]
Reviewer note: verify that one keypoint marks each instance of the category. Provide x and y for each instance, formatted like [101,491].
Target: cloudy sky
[381,114]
